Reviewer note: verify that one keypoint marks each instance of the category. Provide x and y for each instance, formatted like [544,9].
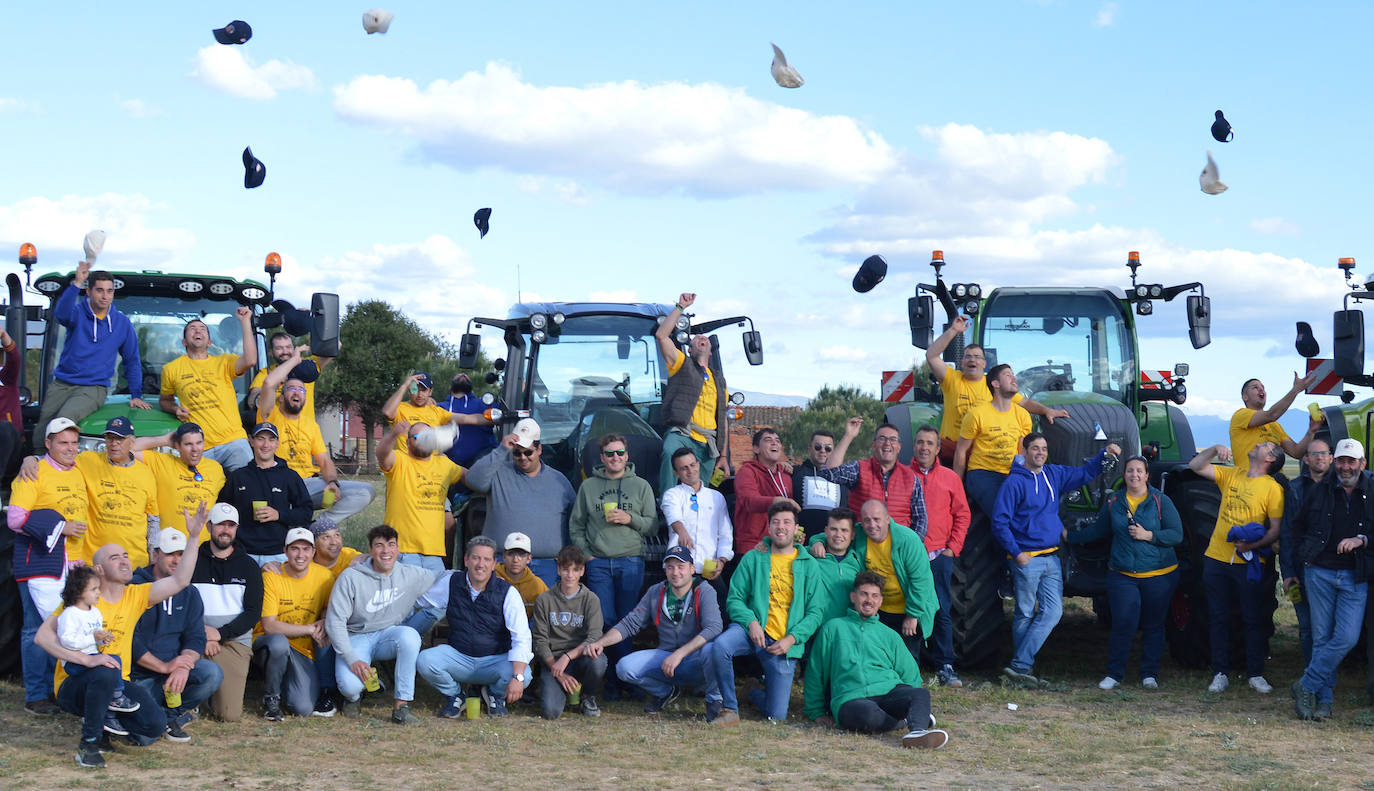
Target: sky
[633,151]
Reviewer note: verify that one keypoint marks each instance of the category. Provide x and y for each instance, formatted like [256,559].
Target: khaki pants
[227,702]
[75,402]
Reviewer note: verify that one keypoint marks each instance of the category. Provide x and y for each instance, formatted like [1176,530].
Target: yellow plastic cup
[474,707]
[717,477]
[576,696]
[1315,411]
[328,498]
[708,566]
[372,684]
[259,504]
[609,507]
[173,698]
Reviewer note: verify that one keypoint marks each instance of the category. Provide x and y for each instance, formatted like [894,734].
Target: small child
[81,628]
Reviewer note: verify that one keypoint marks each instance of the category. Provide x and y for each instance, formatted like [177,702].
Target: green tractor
[1075,348]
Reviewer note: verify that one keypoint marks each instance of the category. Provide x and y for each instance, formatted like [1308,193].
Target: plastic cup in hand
[717,477]
[372,683]
[708,566]
[575,697]
[258,505]
[474,707]
[328,498]
[173,698]
[608,508]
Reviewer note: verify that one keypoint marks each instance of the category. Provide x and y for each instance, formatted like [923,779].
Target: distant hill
[754,398]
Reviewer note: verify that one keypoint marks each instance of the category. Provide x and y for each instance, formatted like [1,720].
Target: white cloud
[1273,226]
[569,192]
[137,108]
[704,139]
[11,104]
[841,353]
[228,70]
[57,226]
[1106,15]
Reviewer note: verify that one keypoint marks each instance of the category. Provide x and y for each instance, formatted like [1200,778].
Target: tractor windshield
[1061,341]
[595,361]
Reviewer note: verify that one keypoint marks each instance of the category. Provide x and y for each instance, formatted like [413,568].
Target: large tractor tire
[11,611]
[976,609]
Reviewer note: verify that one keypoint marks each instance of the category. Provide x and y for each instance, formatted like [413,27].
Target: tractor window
[1054,342]
[595,361]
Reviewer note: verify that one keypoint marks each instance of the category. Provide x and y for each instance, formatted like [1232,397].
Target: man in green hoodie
[613,514]
[775,604]
[860,676]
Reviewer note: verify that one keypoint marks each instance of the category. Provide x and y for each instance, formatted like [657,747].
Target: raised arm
[664,333]
[935,354]
[167,587]
[386,449]
[1276,410]
[1299,449]
[1202,462]
[249,356]
[852,427]
[394,402]
[274,380]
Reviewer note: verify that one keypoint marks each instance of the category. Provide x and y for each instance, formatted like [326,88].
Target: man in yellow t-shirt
[416,487]
[122,493]
[1254,423]
[198,387]
[776,602]
[1250,498]
[294,601]
[302,443]
[989,438]
[965,387]
[421,408]
[185,481]
[281,350]
[330,553]
[694,401]
[120,605]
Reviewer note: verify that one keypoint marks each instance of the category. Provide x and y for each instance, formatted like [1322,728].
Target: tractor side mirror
[920,316]
[753,347]
[1347,352]
[468,347]
[324,325]
[1199,320]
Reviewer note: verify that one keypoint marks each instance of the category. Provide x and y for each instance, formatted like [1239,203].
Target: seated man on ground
[567,619]
[515,569]
[294,601]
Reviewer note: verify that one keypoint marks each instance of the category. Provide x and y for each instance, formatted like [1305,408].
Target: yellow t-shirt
[1243,500]
[307,411]
[429,414]
[121,500]
[206,389]
[120,619]
[296,601]
[779,593]
[995,436]
[343,561]
[63,491]
[415,492]
[1134,502]
[1244,439]
[179,491]
[529,586]
[301,441]
[879,561]
[704,413]
[961,395]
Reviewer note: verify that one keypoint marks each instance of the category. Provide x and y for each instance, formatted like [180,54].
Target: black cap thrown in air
[870,274]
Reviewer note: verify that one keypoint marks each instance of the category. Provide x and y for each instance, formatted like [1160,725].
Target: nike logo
[382,599]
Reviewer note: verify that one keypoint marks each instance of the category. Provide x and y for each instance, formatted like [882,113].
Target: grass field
[1067,735]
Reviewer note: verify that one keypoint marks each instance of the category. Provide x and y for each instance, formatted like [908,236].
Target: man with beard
[1318,460]
[879,477]
[281,350]
[230,588]
[816,495]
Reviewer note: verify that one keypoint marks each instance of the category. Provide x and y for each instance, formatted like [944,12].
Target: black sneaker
[187,717]
[589,707]
[496,704]
[352,708]
[1323,710]
[124,704]
[271,708]
[104,744]
[324,707]
[88,755]
[403,715]
[1304,702]
[42,707]
[174,733]
[658,704]
[112,725]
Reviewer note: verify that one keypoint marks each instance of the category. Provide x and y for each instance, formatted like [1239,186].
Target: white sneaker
[1258,684]
[1149,682]
[1107,683]
[1219,683]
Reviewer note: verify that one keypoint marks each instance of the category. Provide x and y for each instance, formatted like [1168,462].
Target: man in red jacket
[878,477]
[759,483]
[947,518]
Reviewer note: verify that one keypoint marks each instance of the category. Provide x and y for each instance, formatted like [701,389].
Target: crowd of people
[152,583]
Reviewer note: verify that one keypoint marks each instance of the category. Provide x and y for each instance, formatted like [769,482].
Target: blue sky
[633,151]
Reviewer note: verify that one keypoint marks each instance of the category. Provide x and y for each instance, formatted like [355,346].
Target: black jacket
[230,591]
[1312,527]
[166,629]
[283,490]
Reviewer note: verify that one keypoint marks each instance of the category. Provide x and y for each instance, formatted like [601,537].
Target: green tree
[829,410]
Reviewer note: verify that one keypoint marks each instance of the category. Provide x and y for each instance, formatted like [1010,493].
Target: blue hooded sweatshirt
[88,355]
[1026,517]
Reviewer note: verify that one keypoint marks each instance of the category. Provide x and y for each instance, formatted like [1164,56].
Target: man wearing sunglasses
[817,495]
[879,477]
[613,515]
[183,481]
[526,496]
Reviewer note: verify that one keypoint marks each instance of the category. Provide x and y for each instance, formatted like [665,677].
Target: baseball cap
[223,512]
[377,20]
[264,426]
[254,171]
[518,541]
[323,525]
[189,427]
[679,553]
[236,32]
[870,274]
[58,424]
[169,540]
[424,381]
[1349,449]
[526,432]
[119,426]
[299,534]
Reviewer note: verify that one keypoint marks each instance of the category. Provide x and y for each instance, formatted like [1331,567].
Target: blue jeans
[1039,589]
[1221,582]
[204,678]
[1143,603]
[88,696]
[447,669]
[38,664]
[354,496]
[231,455]
[720,681]
[941,641]
[324,666]
[1337,607]
[644,669]
[399,642]
[982,487]
[263,560]
[546,569]
[616,583]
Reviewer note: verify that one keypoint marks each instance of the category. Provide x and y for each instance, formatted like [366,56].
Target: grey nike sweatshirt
[365,600]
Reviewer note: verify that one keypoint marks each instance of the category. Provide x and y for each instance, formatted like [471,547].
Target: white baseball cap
[526,432]
[518,541]
[170,540]
[223,512]
[299,534]
[62,424]
[377,20]
[1349,449]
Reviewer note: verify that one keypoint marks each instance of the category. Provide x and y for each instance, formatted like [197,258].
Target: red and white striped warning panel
[1156,380]
[1327,382]
[897,385]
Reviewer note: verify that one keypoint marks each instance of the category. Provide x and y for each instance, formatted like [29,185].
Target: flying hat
[482,220]
[377,20]
[870,274]
[254,172]
[236,32]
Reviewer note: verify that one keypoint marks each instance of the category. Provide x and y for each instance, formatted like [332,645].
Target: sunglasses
[198,477]
[820,447]
[695,507]
[522,453]
[610,453]
[295,389]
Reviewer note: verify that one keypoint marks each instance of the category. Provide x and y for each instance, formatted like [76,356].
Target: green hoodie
[837,580]
[854,657]
[912,564]
[588,526]
[748,598]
